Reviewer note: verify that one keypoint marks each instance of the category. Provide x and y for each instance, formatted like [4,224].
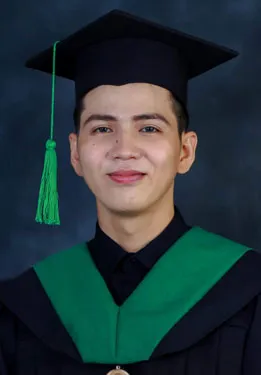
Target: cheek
[91,157]
[164,159]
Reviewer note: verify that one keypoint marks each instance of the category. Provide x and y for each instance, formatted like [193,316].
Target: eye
[149,129]
[101,129]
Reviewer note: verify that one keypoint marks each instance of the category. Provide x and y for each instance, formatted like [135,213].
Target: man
[149,294]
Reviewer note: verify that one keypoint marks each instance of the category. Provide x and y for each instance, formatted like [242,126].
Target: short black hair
[178,109]
[181,114]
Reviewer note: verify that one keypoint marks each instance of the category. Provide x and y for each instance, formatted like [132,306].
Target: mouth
[126,177]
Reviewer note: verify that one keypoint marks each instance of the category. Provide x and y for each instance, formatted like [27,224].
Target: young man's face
[128,149]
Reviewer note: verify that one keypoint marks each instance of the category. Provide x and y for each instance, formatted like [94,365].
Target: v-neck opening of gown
[107,333]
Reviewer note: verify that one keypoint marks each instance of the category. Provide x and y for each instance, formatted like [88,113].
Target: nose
[125,147]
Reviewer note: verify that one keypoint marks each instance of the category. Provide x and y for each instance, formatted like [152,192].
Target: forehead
[130,97]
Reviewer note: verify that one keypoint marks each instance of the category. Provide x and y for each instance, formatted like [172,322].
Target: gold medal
[117,371]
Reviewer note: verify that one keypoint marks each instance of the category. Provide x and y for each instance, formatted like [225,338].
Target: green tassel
[48,208]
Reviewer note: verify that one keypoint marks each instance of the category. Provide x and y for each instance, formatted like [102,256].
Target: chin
[130,209]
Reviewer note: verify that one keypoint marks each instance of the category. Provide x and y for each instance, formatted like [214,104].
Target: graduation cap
[116,49]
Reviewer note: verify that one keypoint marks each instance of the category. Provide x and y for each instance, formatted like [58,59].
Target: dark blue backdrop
[222,193]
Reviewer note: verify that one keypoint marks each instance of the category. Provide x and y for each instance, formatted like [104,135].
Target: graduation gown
[196,312]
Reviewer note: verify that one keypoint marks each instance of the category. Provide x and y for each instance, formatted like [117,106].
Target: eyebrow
[136,118]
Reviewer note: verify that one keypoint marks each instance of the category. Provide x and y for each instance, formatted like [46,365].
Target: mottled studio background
[222,193]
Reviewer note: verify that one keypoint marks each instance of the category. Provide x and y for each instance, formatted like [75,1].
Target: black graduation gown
[221,334]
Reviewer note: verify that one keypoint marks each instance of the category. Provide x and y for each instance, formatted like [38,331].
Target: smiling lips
[126,177]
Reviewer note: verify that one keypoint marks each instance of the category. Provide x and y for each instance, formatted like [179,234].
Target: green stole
[104,332]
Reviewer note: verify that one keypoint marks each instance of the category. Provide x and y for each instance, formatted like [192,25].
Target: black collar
[107,254]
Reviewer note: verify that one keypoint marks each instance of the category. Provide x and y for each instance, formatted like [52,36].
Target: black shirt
[123,271]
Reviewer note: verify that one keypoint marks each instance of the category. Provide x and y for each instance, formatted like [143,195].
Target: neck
[134,232]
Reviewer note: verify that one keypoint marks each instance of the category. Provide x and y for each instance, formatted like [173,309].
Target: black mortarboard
[117,49]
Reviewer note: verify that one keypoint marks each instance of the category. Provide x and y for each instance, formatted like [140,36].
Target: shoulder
[220,244]
[63,258]
[213,243]
[15,291]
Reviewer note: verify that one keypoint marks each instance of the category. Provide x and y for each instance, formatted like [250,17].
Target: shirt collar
[149,255]
[107,254]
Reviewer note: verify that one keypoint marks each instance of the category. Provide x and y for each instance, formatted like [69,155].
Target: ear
[75,159]
[189,143]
